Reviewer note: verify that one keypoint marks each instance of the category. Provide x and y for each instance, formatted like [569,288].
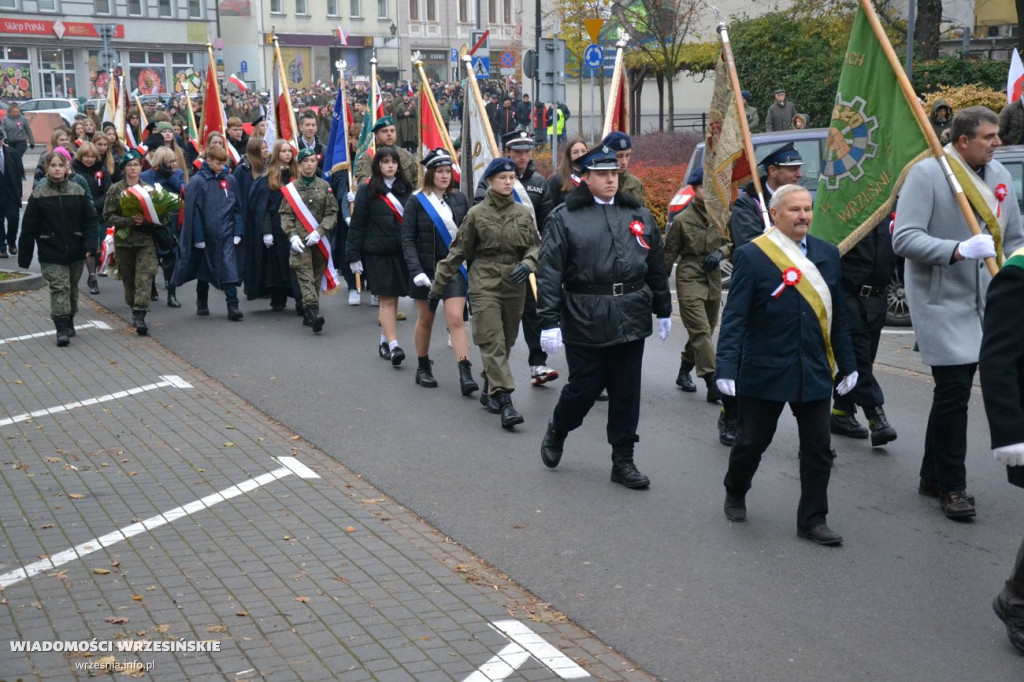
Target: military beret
[617,141]
[696,176]
[437,157]
[517,139]
[501,165]
[129,156]
[305,154]
[598,158]
[383,123]
[786,155]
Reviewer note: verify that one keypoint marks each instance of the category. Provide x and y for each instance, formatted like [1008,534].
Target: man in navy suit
[783,339]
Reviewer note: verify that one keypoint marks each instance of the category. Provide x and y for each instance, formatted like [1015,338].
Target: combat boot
[881,431]
[316,320]
[683,380]
[714,395]
[844,423]
[552,445]
[154,295]
[61,324]
[234,314]
[424,377]
[726,429]
[203,304]
[172,299]
[71,326]
[466,382]
[487,400]
[624,471]
[139,322]
[509,416]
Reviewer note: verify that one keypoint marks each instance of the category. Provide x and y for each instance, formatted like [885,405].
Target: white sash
[331,278]
[146,202]
[444,211]
[521,196]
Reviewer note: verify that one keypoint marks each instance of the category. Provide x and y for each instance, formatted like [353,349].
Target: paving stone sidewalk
[296,578]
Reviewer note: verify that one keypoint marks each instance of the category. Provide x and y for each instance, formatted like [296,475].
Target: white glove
[296,242]
[268,240]
[1010,455]
[350,197]
[847,384]
[421,280]
[356,266]
[236,240]
[200,245]
[313,238]
[551,340]
[348,220]
[977,247]
[726,386]
[664,327]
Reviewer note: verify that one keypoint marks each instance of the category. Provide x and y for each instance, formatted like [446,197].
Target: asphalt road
[658,574]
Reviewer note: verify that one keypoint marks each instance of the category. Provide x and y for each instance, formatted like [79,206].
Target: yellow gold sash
[971,184]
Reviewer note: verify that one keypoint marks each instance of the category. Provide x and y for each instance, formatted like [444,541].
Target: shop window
[57,73]
[146,72]
[15,73]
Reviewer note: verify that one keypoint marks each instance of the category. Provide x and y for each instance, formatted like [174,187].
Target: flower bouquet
[153,203]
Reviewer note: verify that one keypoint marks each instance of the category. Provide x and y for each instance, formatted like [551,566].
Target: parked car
[67,108]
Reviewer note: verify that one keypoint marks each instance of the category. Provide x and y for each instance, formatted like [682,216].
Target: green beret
[383,123]
[129,156]
[305,154]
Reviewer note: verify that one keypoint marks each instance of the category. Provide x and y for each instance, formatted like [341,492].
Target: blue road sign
[508,60]
[482,67]
[455,56]
[593,55]
[245,67]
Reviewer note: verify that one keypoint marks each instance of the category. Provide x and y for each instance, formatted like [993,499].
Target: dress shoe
[683,380]
[957,505]
[552,445]
[881,431]
[1014,622]
[726,429]
[602,397]
[821,534]
[172,298]
[3,254]
[13,250]
[928,488]
[846,424]
[735,508]
[397,355]
[714,395]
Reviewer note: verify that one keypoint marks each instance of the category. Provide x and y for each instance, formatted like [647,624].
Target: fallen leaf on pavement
[100,571]
[117,620]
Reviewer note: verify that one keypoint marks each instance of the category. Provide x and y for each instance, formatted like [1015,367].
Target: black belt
[867,291]
[504,260]
[617,289]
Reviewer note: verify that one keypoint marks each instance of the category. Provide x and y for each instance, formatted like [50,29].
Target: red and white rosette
[99,176]
[224,186]
[1001,194]
[790,278]
[146,202]
[637,228]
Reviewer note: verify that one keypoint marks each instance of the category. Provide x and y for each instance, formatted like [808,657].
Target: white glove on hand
[268,240]
[1010,455]
[726,386]
[200,245]
[551,340]
[350,197]
[357,266]
[236,240]
[296,242]
[977,247]
[348,220]
[664,327]
[847,384]
[421,280]
[313,238]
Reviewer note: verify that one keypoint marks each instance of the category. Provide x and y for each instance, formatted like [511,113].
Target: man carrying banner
[308,214]
[385,135]
[783,338]
[946,286]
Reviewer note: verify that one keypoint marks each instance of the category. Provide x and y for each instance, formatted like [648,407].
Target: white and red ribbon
[637,228]
[305,217]
[395,205]
[1001,194]
[233,153]
[790,278]
[224,186]
[146,202]
[575,179]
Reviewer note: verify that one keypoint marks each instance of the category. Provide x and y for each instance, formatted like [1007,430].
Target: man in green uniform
[385,135]
[700,249]
[629,184]
[307,259]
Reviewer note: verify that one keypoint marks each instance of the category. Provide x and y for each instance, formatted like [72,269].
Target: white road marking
[525,644]
[898,331]
[168,380]
[91,324]
[153,522]
[297,467]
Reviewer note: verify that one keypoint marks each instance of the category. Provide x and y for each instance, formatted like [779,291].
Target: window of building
[102,6]
[47,5]
[182,72]
[275,7]
[464,11]
[300,8]
[507,11]
[56,73]
[492,11]
[135,8]
[8,4]
[15,73]
[382,9]
[355,9]
[414,10]
[431,10]
[195,9]
[146,71]
[332,8]
[164,8]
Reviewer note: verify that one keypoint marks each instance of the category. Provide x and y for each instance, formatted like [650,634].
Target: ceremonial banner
[282,123]
[336,156]
[725,163]
[873,140]
[1015,78]
[213,111]
[617,116]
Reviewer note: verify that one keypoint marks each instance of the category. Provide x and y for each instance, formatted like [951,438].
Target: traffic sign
[508,60]
[480,40]
[245,67]
[593,56]
[594,27]
[455,56]
[482,67]
[108,57]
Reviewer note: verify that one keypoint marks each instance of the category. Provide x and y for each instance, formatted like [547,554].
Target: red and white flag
[1015,79]
[342,36]
[238,83]
[281,124]
[212,118]
[431,135]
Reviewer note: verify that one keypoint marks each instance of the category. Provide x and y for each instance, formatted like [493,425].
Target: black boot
[172,299]
[203,304]
[94,287]
[234,314]
[552,445]
[424,377]
[61,324]
[154,295]
[683,380]
[844,423]
[487,400]
[726,429]
[139,322]
[299,310]
[714,395]
[316,320]
[466,382]
[509,416]
[71,326]
[624,471]
[881,431]
[307,320]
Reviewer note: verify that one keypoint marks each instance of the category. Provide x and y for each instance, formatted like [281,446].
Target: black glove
[432,301]
[32,146]
[519,274]
[713,260]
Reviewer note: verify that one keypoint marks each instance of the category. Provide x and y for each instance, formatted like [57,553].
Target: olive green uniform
[631,185]
[691,237]
[407,163]
[134,251]
[309,265]
[499,234]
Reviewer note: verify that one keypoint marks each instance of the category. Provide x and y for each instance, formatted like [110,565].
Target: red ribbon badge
[99,176]
[637,228]
[1001,194]
[224,186]
[790,278]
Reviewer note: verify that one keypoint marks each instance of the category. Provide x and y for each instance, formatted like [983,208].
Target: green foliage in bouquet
[164,202]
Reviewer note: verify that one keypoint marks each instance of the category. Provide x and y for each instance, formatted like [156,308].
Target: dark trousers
[616,368]
[757,422]
[945,441]
[9,208]
[865,318]
[230,292]
[531,331]
[340,262]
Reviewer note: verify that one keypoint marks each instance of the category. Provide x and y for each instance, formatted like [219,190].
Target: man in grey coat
[779,115]
[946,282]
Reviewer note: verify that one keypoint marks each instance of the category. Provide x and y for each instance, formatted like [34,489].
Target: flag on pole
[283,125]
[617,116]
[336,155]
[238,83]
[212,119]
[1015,79]
[725,162]
[110,108]
[481,154]
[121,114]
[873,140]
[193,133]
[342,36]
[433,132]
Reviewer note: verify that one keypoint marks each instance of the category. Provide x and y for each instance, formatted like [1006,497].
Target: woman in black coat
[88,164]
[375,243]
[432,217]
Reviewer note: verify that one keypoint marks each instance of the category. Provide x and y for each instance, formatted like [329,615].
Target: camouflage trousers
[63,283]
[138,266]
[309,267]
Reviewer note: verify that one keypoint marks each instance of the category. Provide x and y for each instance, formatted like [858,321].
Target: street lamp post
[398,40]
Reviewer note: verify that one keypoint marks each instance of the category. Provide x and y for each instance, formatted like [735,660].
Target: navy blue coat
[773,347]
[212,215]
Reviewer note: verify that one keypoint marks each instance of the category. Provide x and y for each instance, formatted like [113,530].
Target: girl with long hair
[566,177]
[87,164]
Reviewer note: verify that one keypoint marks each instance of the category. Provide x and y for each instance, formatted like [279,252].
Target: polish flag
[238,83]
[1015,79]
[342,37]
